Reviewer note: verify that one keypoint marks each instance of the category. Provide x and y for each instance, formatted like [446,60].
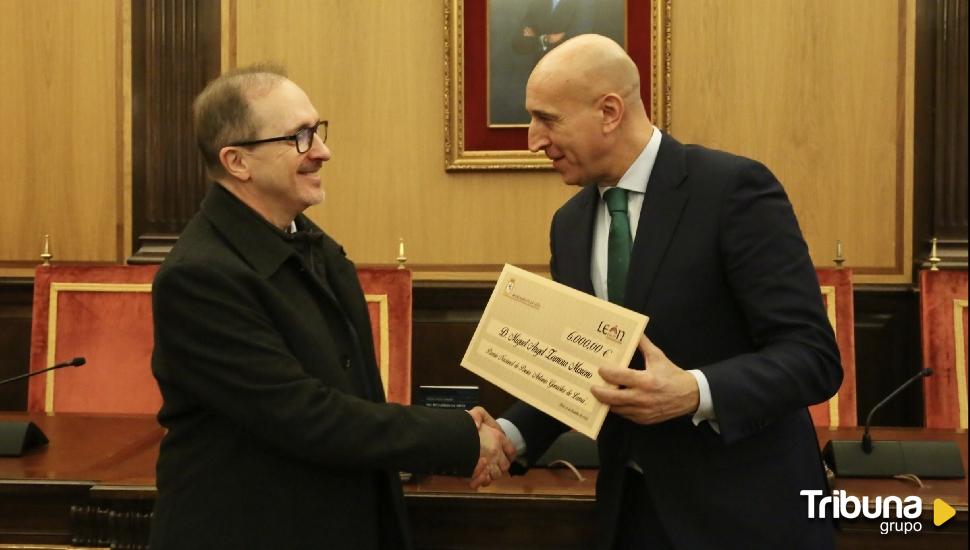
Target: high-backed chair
[103,313]
[840,410]
[943,328]
[388,295]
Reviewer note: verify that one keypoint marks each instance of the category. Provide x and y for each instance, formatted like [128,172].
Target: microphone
[19,436]
[866,440]
[868,458]
[76,362]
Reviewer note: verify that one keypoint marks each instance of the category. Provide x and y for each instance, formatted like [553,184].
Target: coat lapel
[341,275]
[663,205]
[255,241]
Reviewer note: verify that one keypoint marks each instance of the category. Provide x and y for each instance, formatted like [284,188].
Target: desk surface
[113,457]
[122,451]
[109,449]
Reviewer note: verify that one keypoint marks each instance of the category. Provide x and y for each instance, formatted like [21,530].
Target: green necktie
[620,244]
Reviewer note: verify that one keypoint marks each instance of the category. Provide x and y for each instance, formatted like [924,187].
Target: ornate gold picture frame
[471,143]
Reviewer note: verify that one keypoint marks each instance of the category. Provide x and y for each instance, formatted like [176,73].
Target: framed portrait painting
[491,47]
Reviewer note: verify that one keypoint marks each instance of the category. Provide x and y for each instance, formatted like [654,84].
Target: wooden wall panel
[886,328]
[375,70]
[16,297]
[821,92]
[64,106]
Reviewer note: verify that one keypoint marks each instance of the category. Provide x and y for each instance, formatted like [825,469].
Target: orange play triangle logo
[942,512]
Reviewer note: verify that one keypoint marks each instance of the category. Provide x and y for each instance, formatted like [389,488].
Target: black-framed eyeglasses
[302,139]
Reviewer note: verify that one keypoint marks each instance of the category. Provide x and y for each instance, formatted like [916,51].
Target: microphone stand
[866,440]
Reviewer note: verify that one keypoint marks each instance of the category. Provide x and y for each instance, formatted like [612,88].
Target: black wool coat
[278,433]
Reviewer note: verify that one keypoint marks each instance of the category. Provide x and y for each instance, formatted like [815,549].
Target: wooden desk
[543,509]
[53,495]
[94,485]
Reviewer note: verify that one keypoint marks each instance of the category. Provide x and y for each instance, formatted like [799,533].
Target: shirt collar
[636,176]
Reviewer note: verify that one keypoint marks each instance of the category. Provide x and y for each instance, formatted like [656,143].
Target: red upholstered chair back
[103,313]
[943,320]
[840,410]
[388,295]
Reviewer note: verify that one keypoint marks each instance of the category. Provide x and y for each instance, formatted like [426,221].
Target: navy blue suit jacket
[720,267]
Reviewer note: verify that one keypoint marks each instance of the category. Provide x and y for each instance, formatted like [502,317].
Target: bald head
[590,66]
[586,111]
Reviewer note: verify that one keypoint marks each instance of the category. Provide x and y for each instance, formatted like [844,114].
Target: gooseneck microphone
[866,439]
[76,362]
[916,452]
[20,436]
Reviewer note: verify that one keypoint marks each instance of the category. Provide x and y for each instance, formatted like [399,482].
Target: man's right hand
[482,418]
[493,459]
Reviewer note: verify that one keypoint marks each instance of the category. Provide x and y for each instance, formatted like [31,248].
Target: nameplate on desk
[448,397]
[544,343]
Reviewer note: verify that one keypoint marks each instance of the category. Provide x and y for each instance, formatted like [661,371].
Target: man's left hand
[660,392]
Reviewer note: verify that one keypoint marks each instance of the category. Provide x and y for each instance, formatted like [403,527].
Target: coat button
[346,361]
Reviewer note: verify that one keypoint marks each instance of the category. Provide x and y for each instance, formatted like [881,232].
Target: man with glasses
[278,433]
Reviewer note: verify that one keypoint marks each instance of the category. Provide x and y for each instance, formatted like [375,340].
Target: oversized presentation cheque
[544,343]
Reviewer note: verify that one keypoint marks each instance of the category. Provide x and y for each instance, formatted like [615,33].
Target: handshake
[496,452]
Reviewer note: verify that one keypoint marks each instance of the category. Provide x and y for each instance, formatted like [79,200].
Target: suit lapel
[663,205]
[576,247]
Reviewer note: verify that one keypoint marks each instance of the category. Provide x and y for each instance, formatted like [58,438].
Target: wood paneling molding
[951,204]
[176,51]
[941,197]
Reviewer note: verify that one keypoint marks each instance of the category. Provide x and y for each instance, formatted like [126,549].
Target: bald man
[710,445]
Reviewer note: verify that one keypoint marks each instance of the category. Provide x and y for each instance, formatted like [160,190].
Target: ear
[235,163]
[611,109]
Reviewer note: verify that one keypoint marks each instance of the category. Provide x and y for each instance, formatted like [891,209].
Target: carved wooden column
[175,51]
[941,132]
